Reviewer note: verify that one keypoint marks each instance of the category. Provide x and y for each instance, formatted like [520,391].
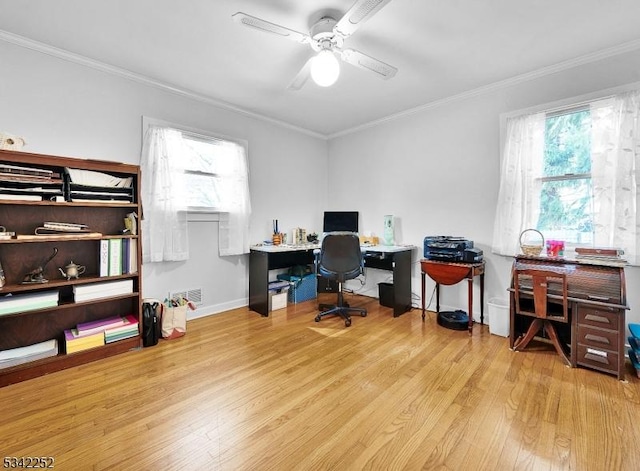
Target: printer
[451,249]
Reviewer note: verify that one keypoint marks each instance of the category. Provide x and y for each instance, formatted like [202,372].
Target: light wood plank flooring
[245,392]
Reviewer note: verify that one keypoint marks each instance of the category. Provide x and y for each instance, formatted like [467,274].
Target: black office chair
[340,259]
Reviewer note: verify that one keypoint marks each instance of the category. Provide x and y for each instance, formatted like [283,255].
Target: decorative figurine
[36,275]
[72,270]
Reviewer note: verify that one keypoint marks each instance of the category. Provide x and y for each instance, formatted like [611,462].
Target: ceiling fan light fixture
[325,68]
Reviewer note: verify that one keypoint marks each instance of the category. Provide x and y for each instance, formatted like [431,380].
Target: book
[76,343]
[126,244]
[104,257]
[18,170]
[11,196]
[102,290]
[64,226]
[115,257]
[115,338]
[20,355]
[606,251]
[128,330]
[128,322]
[133,256]
[28,302]
[86,328]
[601,260]
[125,286]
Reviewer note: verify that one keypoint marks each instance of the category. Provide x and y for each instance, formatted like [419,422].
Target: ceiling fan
[326,37]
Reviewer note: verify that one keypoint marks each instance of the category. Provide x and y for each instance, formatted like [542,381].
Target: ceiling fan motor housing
[323,34]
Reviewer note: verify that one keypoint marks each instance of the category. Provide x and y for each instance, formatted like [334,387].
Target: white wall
[63,108]
[437,170]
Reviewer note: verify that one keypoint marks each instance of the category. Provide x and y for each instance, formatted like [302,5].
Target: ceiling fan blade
[268,27]
[360,12]
[357,58]
[301,78]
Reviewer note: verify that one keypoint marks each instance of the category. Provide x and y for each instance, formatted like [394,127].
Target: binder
[115,257]
[104,257]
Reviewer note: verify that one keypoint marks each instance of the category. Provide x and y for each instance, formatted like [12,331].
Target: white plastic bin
[499,316]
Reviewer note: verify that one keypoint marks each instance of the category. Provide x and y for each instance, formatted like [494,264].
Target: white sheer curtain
[615,139]
[615,167]
[236,205]
[164,223]
[518,198]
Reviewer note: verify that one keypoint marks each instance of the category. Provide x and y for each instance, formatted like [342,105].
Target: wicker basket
[532,250]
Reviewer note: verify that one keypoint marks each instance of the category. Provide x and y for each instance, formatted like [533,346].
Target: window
[573,174]
[185,170]
[566,193]
[203,160]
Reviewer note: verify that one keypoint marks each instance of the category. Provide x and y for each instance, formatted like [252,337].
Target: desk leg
[437,298]
[401,282]
[470,284]
[482,298]
[422,275]
[259,282]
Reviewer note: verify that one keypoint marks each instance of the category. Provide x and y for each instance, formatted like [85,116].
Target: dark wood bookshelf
[19,257]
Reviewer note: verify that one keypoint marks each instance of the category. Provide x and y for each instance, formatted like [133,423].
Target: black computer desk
[264,258]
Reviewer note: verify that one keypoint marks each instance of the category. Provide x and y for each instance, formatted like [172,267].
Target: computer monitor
[340,221]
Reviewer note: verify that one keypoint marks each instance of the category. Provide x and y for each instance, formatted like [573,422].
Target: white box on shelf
[277,300]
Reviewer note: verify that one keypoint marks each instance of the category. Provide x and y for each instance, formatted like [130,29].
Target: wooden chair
[535,300]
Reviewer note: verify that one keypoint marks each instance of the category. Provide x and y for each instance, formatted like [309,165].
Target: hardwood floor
[245,392]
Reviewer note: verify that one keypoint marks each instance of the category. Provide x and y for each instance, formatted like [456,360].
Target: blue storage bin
[301,288]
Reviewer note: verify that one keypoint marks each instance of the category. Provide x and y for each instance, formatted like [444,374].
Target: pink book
[100,325]
[129,321]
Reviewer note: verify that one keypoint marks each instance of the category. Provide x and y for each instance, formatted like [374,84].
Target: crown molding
[552,69]
[103,67]
[123,73]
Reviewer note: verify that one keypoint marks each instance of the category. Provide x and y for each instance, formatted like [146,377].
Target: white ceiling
[441,48]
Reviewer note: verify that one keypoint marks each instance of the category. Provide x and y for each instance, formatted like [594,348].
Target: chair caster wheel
[317,319]
[364,314]
[347,323]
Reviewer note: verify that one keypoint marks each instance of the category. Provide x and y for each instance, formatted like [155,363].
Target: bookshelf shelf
[21,258]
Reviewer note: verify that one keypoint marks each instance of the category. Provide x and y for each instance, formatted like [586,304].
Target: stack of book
[118,256]
[20,355]
[100,332]
[76,341]
[125,331]
[107,289]
[29,183]
[28,302]
[601,255]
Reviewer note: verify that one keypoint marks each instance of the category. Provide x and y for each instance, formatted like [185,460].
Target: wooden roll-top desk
[597,298]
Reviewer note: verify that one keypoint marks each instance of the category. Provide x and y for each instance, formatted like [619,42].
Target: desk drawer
[604,318]
[598,338]
[598,358]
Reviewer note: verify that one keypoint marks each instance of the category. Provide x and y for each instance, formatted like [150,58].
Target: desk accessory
[388,230]
[529,248]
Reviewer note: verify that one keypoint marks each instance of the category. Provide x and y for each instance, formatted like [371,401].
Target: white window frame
[567,176]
